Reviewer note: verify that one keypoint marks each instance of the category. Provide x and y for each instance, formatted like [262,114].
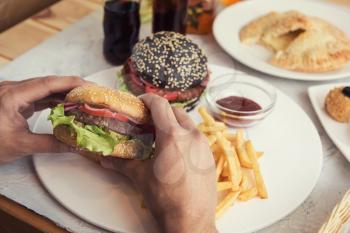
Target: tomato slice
[102,112]
[136,80]
[149,88]
[170,95]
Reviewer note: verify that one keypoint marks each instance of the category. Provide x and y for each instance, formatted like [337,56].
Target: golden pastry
[284,30]
[313,51]
[299,42]
[337,104]
[252,32]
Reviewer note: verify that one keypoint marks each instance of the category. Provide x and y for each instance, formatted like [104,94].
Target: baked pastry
[300,42]
[313,51]
[337,104]
[252,32]
[287,28]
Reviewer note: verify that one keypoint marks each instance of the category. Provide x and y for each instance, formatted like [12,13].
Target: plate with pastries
[265,167]
[301,40]
[332,106]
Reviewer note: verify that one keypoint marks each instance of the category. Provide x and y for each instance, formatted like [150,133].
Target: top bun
[169,60]
[117,101]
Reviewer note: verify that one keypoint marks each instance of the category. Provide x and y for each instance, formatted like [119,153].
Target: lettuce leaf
[120,82]
[90,137]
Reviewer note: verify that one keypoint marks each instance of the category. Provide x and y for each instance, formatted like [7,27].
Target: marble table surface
[78,51]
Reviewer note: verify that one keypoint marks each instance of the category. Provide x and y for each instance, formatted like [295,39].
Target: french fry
[226,203]
[215,148]
[232,153]
[222,186]
[210,129]
[240,175]
[216,158]
[234,169]
[248,194]
[244,183]
[243,157]
[259,154]
[211,139]
[260,184]
[231,138]
[207,118]
[201,126]
[225,171]
[219,166]
[240,133]
[242,154]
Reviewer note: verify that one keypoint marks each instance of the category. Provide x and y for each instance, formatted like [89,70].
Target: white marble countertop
[78,51]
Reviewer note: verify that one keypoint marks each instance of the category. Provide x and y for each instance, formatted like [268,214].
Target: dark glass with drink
[121,24]
[170,15]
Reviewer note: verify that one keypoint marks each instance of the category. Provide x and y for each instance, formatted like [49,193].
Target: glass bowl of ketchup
[240,100]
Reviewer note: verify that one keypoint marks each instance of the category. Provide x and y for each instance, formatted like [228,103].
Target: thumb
[43,143]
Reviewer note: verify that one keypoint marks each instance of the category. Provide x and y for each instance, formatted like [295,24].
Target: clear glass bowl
[240,85]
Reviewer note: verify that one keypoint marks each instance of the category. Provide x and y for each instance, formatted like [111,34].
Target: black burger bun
[169,60]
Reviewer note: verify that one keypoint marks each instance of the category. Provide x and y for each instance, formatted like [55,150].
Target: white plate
[291,166]
[230,21]
[338,132]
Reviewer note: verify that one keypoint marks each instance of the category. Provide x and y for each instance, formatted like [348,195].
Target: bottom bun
[131,149]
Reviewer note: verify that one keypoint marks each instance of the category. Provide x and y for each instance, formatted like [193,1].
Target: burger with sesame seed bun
[170,65]
[100,121]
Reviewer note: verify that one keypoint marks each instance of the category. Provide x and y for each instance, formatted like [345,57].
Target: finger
[184,120]
[4,83]
[43,143]
[162,113]
[40,88]
[50,101]
[127,167]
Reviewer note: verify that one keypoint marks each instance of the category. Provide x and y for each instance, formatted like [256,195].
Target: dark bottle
[169,15]
[121,24]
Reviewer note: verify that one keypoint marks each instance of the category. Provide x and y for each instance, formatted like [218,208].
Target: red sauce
[244,118]
[237,103]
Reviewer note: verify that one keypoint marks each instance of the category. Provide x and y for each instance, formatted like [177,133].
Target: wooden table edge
[29,217]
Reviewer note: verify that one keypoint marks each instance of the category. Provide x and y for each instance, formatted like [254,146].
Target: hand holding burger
[18,101]
[178,183]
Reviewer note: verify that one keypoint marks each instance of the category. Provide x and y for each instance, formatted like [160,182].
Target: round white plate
[291,166]
[230,21]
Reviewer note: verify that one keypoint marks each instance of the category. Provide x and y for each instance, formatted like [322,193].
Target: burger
[170,65]
[100,121]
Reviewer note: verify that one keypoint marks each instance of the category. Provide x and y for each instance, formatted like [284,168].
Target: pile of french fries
[237,168]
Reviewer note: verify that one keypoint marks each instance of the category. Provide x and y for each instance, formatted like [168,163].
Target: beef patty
[126,128]
[130,74]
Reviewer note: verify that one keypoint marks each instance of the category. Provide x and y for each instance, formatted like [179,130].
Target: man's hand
[18,101]
[178,184]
